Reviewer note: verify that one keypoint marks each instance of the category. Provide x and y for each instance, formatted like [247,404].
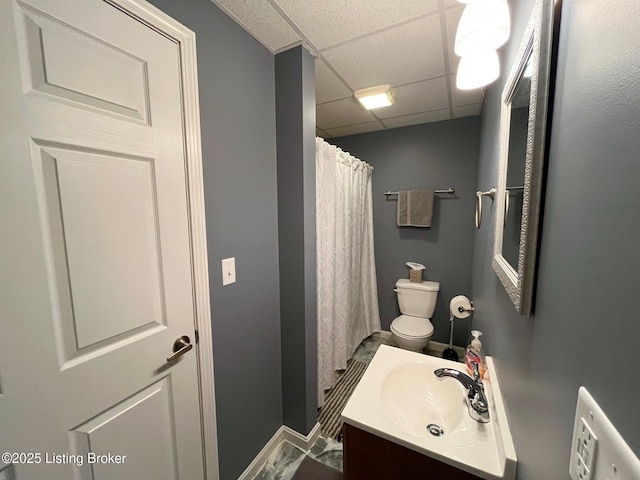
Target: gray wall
[585,330]
[433,155]
[237,111]
[295,120]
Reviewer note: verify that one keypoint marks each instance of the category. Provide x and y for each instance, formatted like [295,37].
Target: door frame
[186,41]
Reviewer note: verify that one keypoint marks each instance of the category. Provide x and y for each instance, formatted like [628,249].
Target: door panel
[97,283]
[140,428]
[97,305]
[107,298]
[55,52]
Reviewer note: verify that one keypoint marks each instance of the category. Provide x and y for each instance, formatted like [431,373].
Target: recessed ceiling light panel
[376,97]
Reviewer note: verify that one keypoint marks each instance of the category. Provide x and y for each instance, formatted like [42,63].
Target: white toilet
[413,329]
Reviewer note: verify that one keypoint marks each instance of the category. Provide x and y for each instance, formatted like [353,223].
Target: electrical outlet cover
[598,452]
[583,451]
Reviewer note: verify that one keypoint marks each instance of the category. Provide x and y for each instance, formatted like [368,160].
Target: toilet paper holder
[462,309]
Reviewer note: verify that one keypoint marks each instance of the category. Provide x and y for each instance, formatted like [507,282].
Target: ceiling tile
[464,97]
[467,111]
[376,60]
[341,113]
[454,62]
[425,117]
[322,133]
[417,97]
[327,23]
[355,129]
[262,21]
[452,19]
[398,42]
[328,86]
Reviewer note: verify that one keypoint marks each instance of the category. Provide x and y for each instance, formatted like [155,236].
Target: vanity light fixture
[376,97]
[484,27]
[478,70]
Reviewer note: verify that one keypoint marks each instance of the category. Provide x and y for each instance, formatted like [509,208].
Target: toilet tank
[417,299]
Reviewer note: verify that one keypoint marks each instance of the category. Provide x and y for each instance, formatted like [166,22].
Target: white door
[96,276]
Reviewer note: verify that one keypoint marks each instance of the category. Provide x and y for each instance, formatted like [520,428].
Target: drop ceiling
[407,44]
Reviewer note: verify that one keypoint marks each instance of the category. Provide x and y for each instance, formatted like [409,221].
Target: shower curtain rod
[450,191]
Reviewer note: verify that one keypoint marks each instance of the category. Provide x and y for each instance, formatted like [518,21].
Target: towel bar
[450,191]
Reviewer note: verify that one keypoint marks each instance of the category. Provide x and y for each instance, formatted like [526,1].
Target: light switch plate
[598,452]
[228,271]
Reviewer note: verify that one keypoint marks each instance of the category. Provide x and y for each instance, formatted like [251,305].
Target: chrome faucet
[476,400]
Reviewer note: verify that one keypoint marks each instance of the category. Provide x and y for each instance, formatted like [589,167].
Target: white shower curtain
[347,289]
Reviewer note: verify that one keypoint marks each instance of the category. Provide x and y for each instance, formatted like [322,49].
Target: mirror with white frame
[523,132]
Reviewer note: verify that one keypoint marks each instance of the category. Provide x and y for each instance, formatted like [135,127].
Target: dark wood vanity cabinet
[369,457]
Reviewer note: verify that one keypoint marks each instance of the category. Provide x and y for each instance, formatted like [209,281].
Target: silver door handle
[181,346]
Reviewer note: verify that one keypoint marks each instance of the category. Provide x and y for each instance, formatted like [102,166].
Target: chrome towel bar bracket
[489,193]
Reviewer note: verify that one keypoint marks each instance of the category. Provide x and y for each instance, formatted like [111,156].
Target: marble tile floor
[369,346]
[284,462]
[287,458]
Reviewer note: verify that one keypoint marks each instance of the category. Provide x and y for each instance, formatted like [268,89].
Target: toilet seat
[409,327]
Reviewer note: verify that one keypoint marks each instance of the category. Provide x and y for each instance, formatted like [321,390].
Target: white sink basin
[399,397]
[413,405]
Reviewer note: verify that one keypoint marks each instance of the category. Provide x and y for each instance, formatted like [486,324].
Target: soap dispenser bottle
[474,353]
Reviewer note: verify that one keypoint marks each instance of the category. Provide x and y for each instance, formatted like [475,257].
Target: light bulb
[483,26]
[478,70]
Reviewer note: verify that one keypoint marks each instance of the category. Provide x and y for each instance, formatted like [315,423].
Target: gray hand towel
[415,208]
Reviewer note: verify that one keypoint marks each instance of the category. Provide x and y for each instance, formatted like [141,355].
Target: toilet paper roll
[456,303]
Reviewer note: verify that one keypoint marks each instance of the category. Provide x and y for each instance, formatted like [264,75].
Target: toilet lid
[408,326]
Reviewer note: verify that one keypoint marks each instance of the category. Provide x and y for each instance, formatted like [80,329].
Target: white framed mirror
[523,134]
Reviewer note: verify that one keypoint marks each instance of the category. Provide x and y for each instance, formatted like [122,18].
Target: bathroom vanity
[404,422]
[372,457]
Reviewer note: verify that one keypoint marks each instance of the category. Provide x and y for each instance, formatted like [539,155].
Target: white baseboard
[283,434]
[436,346]
[299,440]
[254,467]
[440,347]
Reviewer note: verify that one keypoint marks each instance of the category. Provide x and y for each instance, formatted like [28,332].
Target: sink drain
[435,430]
